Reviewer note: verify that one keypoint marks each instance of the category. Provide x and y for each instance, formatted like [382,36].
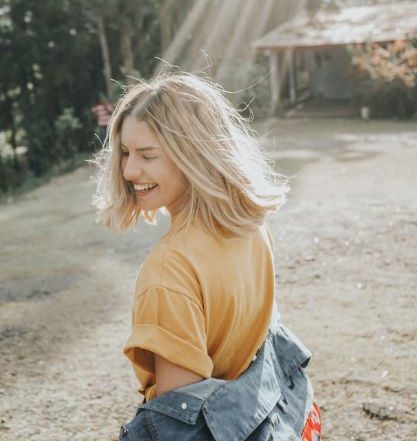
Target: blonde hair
[232,184]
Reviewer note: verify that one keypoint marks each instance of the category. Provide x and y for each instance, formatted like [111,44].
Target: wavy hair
[232,183]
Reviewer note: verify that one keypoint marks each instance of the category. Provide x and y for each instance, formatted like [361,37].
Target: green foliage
[67,129]
[11,175]
[51,72]
[50,62]
[14,182]
[40,142]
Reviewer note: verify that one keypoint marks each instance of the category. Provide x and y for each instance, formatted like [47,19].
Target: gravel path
[346,250]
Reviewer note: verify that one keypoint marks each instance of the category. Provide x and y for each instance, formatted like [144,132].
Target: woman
[203,322]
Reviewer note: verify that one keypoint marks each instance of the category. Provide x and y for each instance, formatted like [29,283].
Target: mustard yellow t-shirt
[202,303]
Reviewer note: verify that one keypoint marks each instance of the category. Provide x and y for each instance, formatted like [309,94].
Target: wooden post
[275,82]
[291,67]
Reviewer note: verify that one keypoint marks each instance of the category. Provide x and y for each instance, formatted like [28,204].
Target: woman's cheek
[123,163]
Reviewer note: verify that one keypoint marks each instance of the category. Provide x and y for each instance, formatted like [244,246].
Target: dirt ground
[346,255]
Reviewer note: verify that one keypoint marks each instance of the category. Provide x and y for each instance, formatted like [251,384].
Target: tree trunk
[126,49]
[275,79]
[106,55]
[167,17]
[181,37]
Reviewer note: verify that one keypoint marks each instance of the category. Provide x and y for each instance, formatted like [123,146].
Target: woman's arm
[170,376]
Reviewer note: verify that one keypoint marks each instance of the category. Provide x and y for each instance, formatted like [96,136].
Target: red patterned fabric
[312,428]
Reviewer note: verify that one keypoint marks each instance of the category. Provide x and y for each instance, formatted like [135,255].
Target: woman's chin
[148,207]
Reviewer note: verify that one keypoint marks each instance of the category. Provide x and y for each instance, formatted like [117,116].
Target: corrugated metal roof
[345,26]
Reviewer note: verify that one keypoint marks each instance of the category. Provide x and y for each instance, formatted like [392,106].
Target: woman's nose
[131,170]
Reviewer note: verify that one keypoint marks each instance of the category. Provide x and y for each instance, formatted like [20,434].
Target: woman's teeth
[145,187]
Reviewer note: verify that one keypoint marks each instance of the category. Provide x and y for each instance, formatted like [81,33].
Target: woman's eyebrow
[141,149]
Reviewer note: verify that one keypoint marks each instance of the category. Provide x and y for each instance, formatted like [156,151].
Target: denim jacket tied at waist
[269,401]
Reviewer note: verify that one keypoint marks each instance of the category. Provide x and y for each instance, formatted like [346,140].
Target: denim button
[184,405]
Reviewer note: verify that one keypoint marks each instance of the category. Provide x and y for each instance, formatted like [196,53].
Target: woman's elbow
[170,376]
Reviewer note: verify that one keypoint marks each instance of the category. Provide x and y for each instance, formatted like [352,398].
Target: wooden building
[308,55]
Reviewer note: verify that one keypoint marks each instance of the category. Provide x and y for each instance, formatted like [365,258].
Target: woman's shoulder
[179,260]
[170,263]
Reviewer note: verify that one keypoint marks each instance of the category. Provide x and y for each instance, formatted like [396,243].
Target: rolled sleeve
[171,324]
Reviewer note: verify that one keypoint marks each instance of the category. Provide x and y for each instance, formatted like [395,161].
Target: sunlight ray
[193,18]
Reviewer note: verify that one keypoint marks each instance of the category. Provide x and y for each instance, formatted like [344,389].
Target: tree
[43,71]
[136,27]
[59,57]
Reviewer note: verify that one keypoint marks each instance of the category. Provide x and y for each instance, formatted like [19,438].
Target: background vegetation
[60,57]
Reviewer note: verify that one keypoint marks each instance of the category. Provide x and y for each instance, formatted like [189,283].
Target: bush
[67,133]
[388,98]
[11,176]
[40,141]
[387,77]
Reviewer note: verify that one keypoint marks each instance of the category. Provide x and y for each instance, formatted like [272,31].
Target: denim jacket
[269,401]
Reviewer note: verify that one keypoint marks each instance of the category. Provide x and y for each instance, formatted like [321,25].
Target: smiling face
[157,180]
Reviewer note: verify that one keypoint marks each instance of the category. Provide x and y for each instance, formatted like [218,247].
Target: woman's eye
[125,153]
[148,158]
